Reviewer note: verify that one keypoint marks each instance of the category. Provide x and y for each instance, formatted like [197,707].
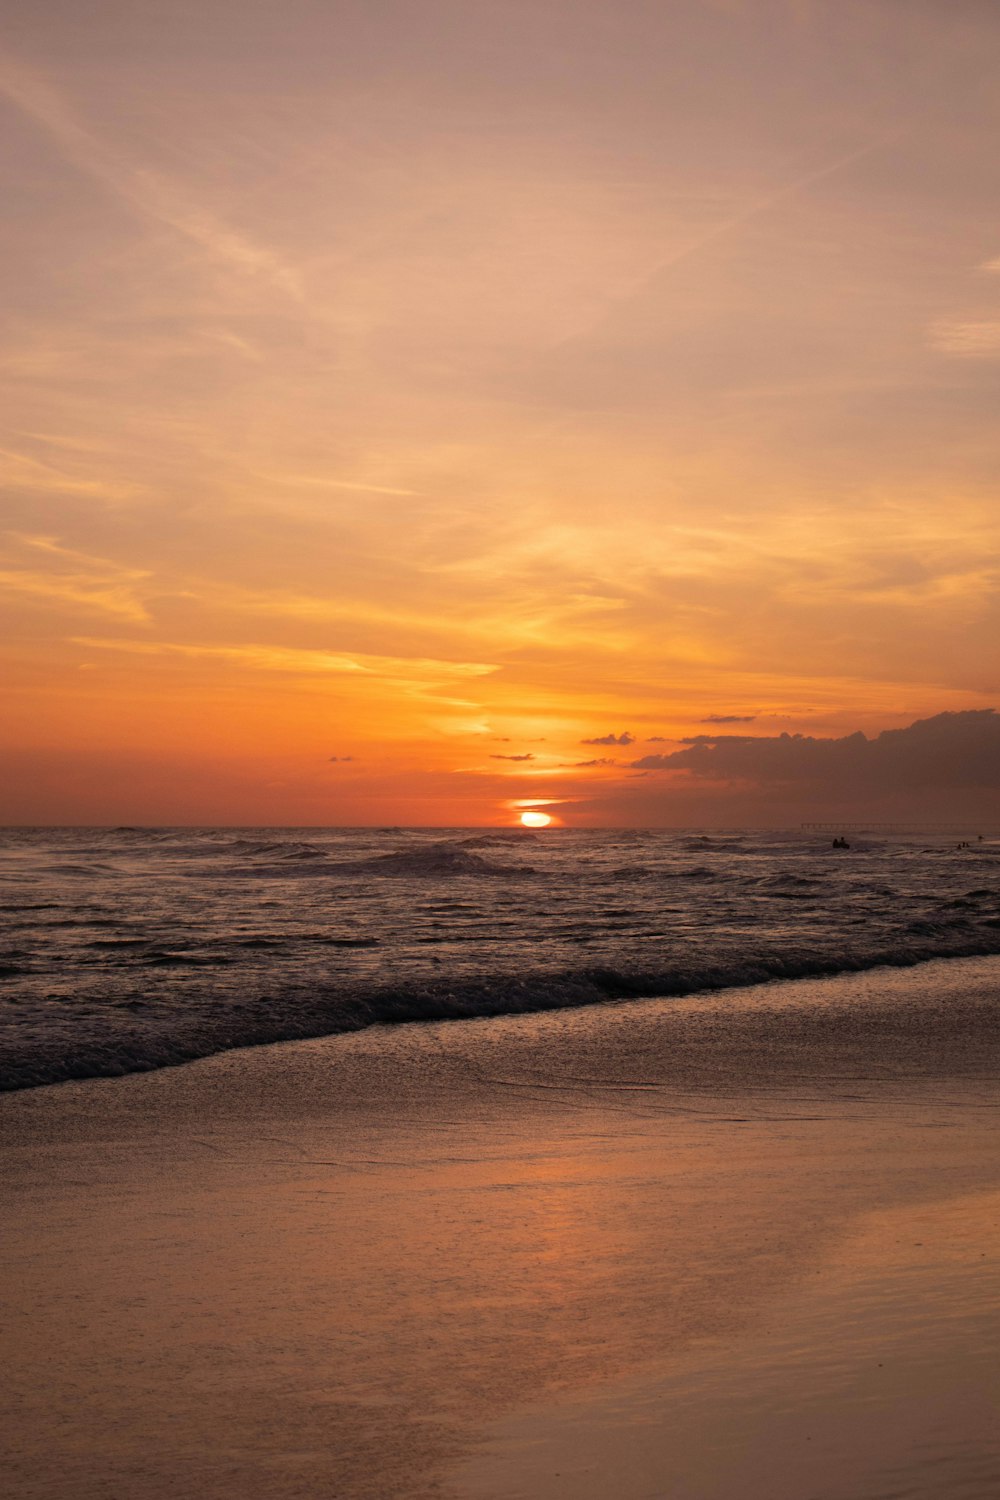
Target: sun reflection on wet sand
[878,1375]
[349,1266]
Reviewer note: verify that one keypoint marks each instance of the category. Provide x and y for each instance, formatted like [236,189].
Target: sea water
[128,949]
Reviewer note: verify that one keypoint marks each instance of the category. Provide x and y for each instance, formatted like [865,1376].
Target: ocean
[129,949]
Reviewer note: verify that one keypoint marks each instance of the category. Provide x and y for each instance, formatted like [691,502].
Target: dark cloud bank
[950,752]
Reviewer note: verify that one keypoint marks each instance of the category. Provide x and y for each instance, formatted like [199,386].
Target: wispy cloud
[71,589]
[25,472]
[300,662]
[971,339]
[755,209]
[149,193]
[73,579]
[328,482]
[493,614]
[586,765]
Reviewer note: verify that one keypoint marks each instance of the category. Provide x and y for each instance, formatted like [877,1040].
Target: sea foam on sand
[737,1245]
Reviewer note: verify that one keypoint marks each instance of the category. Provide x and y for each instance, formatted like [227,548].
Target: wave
[500,837]
[92,867]
[142,1043]
[434,860]
[437,861]
[273,849]
[703,843]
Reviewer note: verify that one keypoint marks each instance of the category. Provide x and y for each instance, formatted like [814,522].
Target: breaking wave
[141,1042]
[438,860]
[124,949]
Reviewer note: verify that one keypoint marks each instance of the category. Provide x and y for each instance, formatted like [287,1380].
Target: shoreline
[335,1266]
[148,1048]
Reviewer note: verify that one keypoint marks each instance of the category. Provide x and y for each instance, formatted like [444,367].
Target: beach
[723,1245]
[500,750]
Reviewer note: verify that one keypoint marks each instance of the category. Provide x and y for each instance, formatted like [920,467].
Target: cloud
[973,339]
[611,739]
[73,590]
[715,739]
[308,662]
[324,482]
[753,209]
[586,765]
[729,719]
[148,193]
[527,756]
[22,471]
[340,760]
[950,750]
[74,579]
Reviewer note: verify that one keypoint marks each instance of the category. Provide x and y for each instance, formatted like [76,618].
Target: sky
[416,409]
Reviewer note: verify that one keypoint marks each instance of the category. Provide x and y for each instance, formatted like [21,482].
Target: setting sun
[535,820]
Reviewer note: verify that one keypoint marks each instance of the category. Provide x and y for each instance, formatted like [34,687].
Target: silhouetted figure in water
[840,844]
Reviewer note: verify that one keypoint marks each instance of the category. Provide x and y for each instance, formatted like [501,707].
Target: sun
[535,820]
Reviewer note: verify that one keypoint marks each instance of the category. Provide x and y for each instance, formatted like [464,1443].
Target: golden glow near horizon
[535,819]
[407,408]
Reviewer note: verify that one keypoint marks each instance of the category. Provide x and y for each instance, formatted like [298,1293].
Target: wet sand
[734,1246]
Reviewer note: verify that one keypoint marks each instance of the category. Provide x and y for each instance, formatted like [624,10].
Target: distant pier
[961,830]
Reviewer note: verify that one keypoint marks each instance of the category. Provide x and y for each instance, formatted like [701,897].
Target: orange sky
[389,389]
